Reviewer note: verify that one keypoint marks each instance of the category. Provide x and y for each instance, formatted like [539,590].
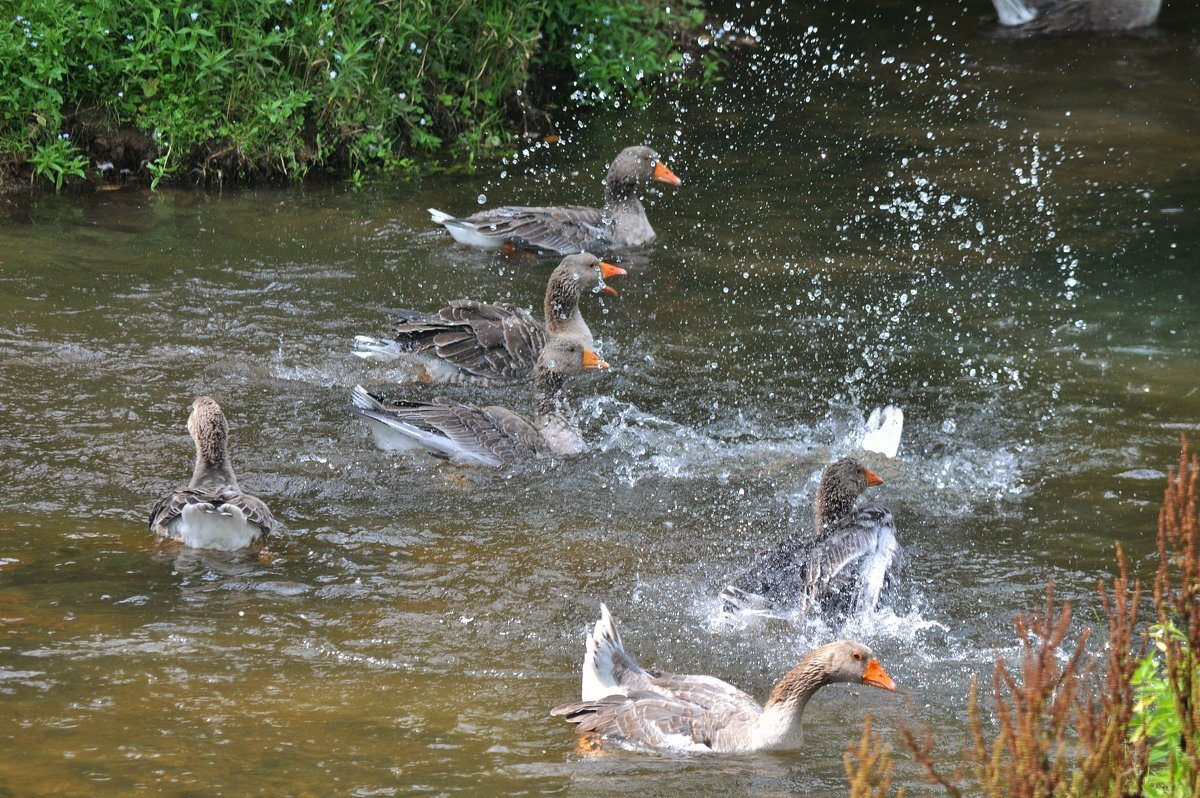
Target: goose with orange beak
[838,568]
[564,229]
[628,705]
[491,435]
[491,343]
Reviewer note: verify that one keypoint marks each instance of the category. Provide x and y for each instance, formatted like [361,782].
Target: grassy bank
[227,89]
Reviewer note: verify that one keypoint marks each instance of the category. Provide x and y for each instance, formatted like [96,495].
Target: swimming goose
[1067,16]
[572,228]
[490,435]
[839,568]
[212,512]
[481,343]
[625,703]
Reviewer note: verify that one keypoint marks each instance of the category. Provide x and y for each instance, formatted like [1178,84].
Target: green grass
[227,89]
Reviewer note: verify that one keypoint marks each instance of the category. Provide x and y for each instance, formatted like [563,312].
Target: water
[879,206]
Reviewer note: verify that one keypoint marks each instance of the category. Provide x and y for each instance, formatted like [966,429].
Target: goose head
[635,166]
[841,484]
[585,272]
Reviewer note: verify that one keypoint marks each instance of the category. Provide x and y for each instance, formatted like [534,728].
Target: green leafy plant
[1158,720]
[57,160]
[244,88]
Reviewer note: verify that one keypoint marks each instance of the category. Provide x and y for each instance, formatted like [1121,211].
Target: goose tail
[604,650]
[1013,12]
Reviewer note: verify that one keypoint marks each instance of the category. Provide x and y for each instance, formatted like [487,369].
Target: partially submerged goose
[212,512]
[838,568]
[489,435]
[1077,16]
[481,343]
[566,229]
[623,702]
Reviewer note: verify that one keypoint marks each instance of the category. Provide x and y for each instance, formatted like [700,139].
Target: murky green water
[1001,236]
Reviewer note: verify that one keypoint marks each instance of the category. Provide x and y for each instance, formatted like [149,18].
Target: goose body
[490,343]
[567,229]
[839,568]
[625,703]
[211,511]
[491,435]
[1073,16]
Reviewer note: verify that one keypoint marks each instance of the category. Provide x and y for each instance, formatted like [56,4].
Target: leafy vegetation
[1124,724]
[234,88]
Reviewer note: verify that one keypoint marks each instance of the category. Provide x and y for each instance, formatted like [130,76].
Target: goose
[840,568]
[211,512]
[623,702]
[493,436]
[566,229]
[492,343]
[1068,16]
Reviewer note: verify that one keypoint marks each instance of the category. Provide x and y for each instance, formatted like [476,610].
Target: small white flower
[332,74]
[194,15]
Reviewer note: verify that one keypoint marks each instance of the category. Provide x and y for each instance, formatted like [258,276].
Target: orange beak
[873,478]
[592,361]
[664,175]
[607,270]
[876,676]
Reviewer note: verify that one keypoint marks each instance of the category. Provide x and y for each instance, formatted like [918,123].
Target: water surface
[880,205]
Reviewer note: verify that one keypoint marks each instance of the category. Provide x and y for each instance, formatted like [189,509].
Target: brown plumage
[489,435]
[492,343]
[211,512]
[621,223]
[623,702]
[839,567]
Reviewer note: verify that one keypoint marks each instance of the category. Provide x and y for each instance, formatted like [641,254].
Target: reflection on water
[879,206]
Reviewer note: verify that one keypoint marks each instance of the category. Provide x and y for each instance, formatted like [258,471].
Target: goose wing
[847,571]
[688,719]
[172,505]
[460,432]
[561,229]
[495,341]
[772,582]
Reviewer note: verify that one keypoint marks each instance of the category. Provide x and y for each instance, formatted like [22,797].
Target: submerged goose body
[1077,16]
[211,512]
[491,435]
[490,343]
[621,223]
[838,569]
[625,703]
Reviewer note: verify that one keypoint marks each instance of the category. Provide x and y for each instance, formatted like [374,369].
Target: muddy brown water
[880,205]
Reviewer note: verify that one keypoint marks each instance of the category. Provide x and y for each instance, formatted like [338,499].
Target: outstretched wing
[846,573]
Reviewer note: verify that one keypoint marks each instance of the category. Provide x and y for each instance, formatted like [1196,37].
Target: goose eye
[857,657]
